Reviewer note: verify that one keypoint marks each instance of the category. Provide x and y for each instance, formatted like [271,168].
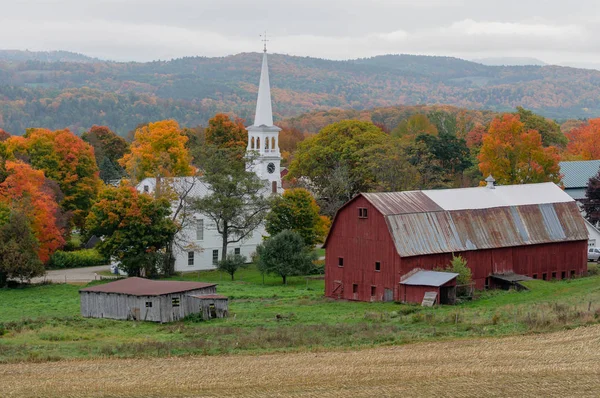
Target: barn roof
[145,287]
[429,278]
[454,220]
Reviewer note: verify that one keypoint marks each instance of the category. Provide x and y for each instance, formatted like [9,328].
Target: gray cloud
[339,29]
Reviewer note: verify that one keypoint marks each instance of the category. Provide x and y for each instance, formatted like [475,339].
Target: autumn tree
[285,255]
[415,125]
[288,142]
[584,142]
[18,249]
[347,147]
[132,226]
[296,210]
[591,203]
[66,159]
[514,155]
[226,133]
[108,149]
[158,150]
[26,191]
[4,135]
[236,203]
[548,129]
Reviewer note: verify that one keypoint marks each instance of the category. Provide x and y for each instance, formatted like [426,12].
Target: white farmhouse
[202,244]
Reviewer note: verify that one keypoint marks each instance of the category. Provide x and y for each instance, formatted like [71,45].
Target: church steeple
[263,136]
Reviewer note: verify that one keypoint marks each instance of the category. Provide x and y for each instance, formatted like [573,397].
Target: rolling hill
[57,90]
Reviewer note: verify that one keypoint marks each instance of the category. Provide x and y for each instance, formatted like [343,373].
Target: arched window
[257,142]
[273,146]
[252,143]
[267,144]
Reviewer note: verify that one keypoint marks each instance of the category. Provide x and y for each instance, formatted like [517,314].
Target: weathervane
[264,40]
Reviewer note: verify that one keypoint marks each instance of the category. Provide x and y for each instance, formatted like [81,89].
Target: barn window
[148,304]
[215,258]
[199,229]
[572,273]
[534,276]
[362,212]
[354,288]
[190,258]
[237,251]
[544,276]
[554,275]
[373,291]
[175,301]
[563,275]
[377,266]
[340,261]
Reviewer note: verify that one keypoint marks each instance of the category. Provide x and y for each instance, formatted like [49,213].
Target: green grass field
[40,323]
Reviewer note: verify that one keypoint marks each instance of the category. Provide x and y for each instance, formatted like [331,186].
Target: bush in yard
[459,266]
[80,258]
[232,263]
[285,255]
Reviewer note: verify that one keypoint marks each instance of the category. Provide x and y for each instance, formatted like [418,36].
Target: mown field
[42,323]
[560,364]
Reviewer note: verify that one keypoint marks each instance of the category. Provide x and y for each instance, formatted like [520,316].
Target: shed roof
[429,278]
[576,174]
[454,220]
[145,287]
[210,296]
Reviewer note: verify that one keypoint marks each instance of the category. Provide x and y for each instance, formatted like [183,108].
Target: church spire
[264,112]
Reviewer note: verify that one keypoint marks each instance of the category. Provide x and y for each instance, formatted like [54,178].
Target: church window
[273,143]
[257,142]
[252,143]
[267,144]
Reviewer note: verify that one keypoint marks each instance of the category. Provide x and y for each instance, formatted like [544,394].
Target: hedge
[80,258]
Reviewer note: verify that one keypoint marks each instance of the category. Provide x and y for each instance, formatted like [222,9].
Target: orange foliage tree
[226,133]
[24,188]
[584,142]
[514,155]
[66,159]
[158,150]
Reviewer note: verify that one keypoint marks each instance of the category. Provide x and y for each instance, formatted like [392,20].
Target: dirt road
[563,364]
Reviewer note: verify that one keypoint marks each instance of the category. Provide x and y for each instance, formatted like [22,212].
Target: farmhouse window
[354,288]
[340,261]
[215,259]
[199,229]
[190,258]
[175,301]
[377,266]
[362,212]
[373,291]
[148,304]
[237,251]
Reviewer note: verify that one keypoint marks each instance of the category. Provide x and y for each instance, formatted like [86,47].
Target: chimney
[490,182]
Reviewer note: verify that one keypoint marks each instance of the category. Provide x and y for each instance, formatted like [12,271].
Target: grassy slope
[42,322]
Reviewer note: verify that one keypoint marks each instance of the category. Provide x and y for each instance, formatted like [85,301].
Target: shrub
[593,269]
[81,258]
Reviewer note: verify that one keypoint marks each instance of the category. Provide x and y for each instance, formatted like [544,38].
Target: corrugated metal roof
[576,174]
[145,287]
[401,202]
[429,278]
[462,230]
[210,296]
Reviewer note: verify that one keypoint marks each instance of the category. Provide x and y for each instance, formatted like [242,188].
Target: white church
[202,244]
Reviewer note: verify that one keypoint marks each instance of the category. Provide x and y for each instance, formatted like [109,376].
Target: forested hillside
[58,90]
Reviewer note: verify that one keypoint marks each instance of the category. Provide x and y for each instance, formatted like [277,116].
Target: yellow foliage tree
[158,150]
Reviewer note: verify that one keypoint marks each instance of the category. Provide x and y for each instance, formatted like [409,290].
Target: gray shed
[150,300]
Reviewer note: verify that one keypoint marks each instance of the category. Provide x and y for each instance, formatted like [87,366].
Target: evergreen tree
[591,204]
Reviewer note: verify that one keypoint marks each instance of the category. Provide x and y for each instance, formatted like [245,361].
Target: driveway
[87,274]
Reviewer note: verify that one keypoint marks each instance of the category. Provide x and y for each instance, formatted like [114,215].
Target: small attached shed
[414,286]
[148,300]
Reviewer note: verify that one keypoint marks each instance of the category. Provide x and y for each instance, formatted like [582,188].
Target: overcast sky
[555,31]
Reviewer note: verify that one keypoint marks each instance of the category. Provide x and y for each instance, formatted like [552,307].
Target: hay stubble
[559,364]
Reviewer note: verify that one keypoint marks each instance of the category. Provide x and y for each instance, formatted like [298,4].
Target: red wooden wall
[362,242]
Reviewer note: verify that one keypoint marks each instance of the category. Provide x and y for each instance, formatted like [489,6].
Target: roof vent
[490,182]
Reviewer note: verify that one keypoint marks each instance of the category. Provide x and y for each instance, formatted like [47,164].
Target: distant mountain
[45,56]
[510,61]
[67,92]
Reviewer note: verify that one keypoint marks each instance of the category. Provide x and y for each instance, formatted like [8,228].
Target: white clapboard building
[202,244]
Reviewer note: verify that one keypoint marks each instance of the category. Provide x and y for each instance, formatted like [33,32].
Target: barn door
[388,295]
[338,289]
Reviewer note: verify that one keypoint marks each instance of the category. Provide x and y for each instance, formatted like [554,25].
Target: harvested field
[561,364]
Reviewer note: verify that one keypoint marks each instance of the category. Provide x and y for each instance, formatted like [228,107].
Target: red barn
[377,238]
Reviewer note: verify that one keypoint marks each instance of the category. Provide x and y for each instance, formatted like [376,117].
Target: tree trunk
[225,237]
[284,279]
[232,277]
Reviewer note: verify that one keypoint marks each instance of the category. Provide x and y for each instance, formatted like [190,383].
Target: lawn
[42,323]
